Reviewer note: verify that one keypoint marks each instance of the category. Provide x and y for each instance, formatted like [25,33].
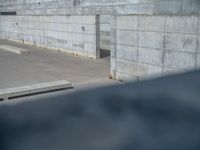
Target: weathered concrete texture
[6,94]
[12,49]
[148,36]
[154,45]
[105,32]
[177,7]
[60,7]
[73,34]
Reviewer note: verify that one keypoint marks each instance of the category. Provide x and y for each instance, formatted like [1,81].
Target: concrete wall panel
[151,39]
[181,42]
[180,60]
[145,36]
[72,33]
[108,7]
[163,44]
[105,32]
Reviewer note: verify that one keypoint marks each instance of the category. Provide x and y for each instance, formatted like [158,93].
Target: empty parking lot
[42,65]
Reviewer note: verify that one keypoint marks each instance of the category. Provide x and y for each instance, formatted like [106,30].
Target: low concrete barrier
[6,94]
[13,49]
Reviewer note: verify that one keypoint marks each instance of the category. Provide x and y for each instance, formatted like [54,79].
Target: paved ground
[43,65]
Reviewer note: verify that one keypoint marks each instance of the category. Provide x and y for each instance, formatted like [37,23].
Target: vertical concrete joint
[164,46]
[197,46]
[114,46]
[137,61]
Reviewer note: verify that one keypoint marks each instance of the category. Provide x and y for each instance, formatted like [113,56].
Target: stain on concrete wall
[58,7]
[154,45]
[105,32]
[64,33]
[148,37]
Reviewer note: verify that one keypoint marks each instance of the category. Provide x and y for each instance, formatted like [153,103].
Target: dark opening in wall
[8,13]
[77,3]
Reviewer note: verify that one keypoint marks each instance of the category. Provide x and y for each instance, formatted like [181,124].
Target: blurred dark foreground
[162,114]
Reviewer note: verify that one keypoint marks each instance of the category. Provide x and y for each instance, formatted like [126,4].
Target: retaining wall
[143,45]
[78,35]
[149,37]
[105,32]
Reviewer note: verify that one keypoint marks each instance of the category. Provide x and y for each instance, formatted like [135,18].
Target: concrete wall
[73,34]
[149,37]
[105,32]
[111,7]
[143,46]
[29,7]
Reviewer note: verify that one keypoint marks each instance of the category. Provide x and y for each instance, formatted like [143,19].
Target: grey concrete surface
[148,46]
[43,65]
[146,37]
[12,49]
[34,89]
[78,35]
[105,32]
[63,7]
